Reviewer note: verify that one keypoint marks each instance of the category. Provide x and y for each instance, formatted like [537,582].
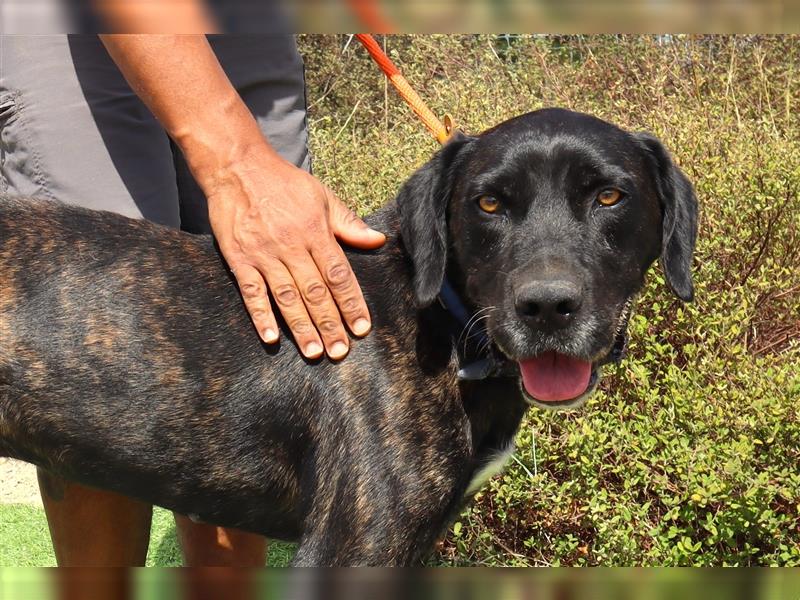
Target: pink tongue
[553,377]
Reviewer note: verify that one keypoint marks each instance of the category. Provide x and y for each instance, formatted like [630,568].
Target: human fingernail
[270,335]
[338,350]
[313,350]
[361,326]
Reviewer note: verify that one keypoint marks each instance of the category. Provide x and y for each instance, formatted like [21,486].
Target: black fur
[422,206]
[679,204]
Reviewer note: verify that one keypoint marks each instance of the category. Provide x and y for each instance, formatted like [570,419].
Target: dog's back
[120,344]
[127,362]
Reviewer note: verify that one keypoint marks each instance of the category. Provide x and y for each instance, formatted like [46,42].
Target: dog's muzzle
[615,356]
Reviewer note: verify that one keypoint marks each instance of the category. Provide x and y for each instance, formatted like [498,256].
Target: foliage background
[689,453]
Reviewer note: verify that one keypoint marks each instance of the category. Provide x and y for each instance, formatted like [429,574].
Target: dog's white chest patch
[490,469]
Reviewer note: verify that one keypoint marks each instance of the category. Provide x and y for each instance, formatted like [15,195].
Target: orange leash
[440,130]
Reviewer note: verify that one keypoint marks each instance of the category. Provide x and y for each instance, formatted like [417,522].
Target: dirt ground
[18,483]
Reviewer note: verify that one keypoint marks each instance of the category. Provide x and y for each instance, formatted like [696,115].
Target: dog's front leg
[392,524]
[341,547]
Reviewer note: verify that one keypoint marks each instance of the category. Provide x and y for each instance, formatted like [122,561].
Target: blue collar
[490,365]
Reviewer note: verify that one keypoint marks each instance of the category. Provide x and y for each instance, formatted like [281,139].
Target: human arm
[276,224]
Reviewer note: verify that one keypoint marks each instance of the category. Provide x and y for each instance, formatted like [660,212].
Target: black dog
[127,360]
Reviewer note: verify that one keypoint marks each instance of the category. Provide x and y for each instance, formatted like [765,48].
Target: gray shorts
[71,129]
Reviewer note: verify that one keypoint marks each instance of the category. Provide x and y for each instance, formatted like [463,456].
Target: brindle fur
[127,362]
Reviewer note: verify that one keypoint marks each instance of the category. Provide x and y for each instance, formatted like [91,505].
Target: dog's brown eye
[488,204]
[609,197]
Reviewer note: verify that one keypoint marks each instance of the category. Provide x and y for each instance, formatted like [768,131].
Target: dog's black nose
[549,305]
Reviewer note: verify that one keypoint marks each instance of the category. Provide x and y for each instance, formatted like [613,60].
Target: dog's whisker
[477,333]
[474,320]
[467,333]
[470,333]
[485,346]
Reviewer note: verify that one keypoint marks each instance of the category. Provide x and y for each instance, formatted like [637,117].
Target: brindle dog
[128,362]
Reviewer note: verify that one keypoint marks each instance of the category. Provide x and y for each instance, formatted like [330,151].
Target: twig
[350,116]
[524,468]
[780,340]
[347,43]
[760,58]
[789,81]
[385,95]
[729,85]
[786,292]
[491,47]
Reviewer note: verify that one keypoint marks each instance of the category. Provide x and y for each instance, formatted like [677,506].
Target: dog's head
[547,224]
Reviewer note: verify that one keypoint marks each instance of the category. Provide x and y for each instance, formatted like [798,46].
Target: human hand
[276,226]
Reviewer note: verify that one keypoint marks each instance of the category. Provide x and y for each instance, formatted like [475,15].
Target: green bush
[688,455]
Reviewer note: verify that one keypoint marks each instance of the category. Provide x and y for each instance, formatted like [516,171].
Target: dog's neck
[494,405]
[478,359]
[451,314]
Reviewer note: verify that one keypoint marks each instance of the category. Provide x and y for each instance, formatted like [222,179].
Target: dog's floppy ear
[679,216]
[422,204]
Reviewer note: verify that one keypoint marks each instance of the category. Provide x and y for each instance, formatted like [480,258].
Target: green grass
[25,540]
[24,537]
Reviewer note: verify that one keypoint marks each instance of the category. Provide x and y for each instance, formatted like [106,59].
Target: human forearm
[181,81]
[276,225]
